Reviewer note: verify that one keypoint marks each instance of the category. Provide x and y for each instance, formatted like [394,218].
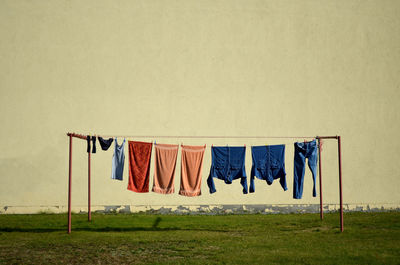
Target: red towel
[139,166]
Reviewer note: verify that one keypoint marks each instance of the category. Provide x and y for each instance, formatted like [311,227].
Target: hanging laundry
[164,168]
[105,144]
[139,166]
[88,143]
[93,139]
[268,164]
[227,164]
[303,150]
[118,161]
[94,144]
[191,167]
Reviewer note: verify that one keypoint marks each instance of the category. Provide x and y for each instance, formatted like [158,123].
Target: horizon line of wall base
[204,209]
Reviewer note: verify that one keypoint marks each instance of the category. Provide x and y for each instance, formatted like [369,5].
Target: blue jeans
[268,164]
[227,164]
[301,152]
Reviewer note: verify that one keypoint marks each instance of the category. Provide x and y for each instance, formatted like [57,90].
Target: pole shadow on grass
[154,227]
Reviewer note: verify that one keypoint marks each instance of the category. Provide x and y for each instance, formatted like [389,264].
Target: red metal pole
[340,183]
[80,136]
[327,137]
[69,184]
[321,213]
[89,212]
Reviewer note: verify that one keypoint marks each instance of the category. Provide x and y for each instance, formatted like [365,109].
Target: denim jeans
[268,164]
[301,152]
[227,164]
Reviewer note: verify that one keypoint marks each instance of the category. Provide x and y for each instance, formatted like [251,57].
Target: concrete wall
[275,68]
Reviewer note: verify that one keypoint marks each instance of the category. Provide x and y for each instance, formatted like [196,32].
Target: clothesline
[204,136]
[207,137]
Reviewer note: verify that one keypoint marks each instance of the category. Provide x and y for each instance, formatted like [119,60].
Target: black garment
[88,144]
[105,144]
[94,144]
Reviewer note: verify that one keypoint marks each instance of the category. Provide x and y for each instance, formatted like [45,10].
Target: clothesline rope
[203,136]
[207,137]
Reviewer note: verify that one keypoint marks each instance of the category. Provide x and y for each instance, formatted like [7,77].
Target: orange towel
[192,164]
[164,168]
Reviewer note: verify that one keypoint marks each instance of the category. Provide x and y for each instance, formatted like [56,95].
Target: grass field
[369,238]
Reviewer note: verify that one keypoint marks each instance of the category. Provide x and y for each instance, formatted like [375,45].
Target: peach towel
[192,164]
[164,168]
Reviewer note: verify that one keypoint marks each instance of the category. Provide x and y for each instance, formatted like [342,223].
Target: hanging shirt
[118,161]
[268,164]
[227,164]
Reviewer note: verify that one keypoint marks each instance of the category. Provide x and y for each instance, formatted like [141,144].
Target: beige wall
[277,68]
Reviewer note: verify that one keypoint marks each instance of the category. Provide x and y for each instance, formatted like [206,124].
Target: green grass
[369,238]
